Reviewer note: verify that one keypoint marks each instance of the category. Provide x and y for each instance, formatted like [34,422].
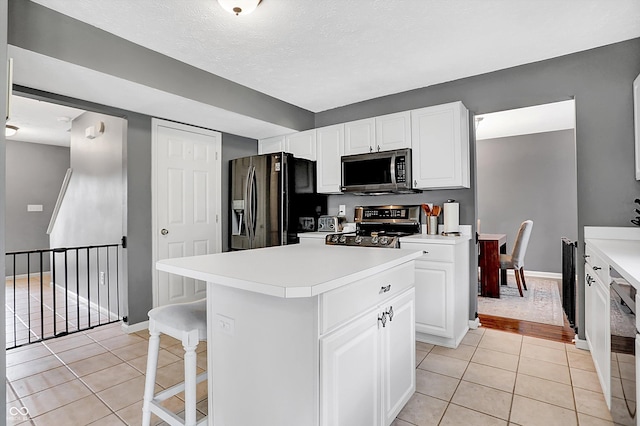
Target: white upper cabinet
[359,136]
[329,149]
[393,131]
[383,133]
[271,145]
[440,146]
[302,144]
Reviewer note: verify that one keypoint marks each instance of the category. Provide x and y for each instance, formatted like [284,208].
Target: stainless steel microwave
[377,172]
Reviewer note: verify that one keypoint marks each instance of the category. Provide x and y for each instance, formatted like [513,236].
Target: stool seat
[186,322]
[183,317]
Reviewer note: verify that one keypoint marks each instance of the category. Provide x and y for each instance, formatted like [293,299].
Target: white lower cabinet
[368,366]
[597,326]
[442,291]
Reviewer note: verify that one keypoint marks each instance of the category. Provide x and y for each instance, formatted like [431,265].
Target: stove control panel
[362,241]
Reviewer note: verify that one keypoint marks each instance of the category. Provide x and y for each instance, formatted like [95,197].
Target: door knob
[164,231]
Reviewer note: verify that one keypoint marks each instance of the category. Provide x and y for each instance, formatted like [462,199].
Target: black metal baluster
[98,284]
[15,314]
[66,293]
[29,298]
[78,288]
[53,258]
[88,290]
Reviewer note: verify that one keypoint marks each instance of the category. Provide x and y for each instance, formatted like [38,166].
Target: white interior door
[186,203]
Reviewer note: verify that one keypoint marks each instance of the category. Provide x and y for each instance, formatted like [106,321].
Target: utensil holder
[432,225]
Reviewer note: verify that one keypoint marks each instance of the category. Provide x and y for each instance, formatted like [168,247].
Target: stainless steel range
[379,226]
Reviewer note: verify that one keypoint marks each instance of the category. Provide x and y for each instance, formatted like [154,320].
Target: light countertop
[622,255]
[289,271]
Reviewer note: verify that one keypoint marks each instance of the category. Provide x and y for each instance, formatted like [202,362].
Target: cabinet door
[393,131]
[271,145]
[329,150]
[601,336]
[434,298]
[302,144]
[359,136]
[398,355]
[349,377]
[440,146]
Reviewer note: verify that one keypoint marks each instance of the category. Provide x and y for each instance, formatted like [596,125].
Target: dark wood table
[491,246]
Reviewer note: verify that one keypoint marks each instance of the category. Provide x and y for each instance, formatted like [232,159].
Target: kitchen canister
[432,225]
[451,218]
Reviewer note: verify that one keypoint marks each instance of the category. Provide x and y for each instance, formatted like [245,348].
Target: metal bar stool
[186,322]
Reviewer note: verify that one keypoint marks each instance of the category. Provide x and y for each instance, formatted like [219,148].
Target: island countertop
[289,271]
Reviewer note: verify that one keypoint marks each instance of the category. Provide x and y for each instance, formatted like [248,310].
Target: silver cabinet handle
[390,313]
[596,268]
[385,289]
[383,319]
[164,231]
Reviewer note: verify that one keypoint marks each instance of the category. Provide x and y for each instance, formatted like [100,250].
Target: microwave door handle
[392,166]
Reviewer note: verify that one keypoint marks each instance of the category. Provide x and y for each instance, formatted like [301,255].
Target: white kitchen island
[307,335]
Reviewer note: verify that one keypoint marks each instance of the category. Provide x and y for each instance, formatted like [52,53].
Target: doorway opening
[526,170]
[64,224]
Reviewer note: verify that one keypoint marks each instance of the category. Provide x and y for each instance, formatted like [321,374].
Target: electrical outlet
[225,324]
[101,278]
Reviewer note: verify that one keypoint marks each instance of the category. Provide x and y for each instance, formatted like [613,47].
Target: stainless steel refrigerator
[273,197]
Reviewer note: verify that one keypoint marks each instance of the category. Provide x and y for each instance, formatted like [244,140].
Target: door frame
[156,123]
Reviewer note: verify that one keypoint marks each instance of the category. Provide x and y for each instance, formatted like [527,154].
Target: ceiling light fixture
[10,130]
[239,7]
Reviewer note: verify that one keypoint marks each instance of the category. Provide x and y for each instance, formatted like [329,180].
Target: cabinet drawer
[346,302]
[598,265]
[434,252]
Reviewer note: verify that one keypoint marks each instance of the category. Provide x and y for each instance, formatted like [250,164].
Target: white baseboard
[134,328]
[104,311]
[474,324]
[31,275]
[542,274]
[581,343]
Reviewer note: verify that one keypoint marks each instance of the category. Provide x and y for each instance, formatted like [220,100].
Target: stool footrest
[171,418]
[176,389]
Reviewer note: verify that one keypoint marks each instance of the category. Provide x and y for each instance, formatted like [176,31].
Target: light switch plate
[225,324]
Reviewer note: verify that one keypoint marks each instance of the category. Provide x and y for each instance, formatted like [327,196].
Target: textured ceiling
[322,54]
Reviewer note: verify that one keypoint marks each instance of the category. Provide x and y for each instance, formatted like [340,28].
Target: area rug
[541,302]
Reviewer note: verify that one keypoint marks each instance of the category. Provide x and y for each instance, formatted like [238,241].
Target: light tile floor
[493,378]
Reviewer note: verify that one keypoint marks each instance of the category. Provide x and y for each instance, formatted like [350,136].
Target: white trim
[542,274]
[92,305]
[32,275]
[217,191]
[61,194]
[474,324]
[134,328]
[581,343]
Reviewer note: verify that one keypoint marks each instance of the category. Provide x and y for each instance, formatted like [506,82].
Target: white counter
[290,271]
[620,247]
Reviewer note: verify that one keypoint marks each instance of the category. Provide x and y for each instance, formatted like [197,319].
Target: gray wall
[530,177]
[600,80]
[92,210]
[34,175]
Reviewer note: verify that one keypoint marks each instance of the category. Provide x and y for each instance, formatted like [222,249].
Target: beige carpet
[541,302]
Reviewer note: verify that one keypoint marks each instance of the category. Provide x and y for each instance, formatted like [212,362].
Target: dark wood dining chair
[515,260]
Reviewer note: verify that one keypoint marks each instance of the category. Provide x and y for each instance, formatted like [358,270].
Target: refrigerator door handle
[247,205]
[251,203]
